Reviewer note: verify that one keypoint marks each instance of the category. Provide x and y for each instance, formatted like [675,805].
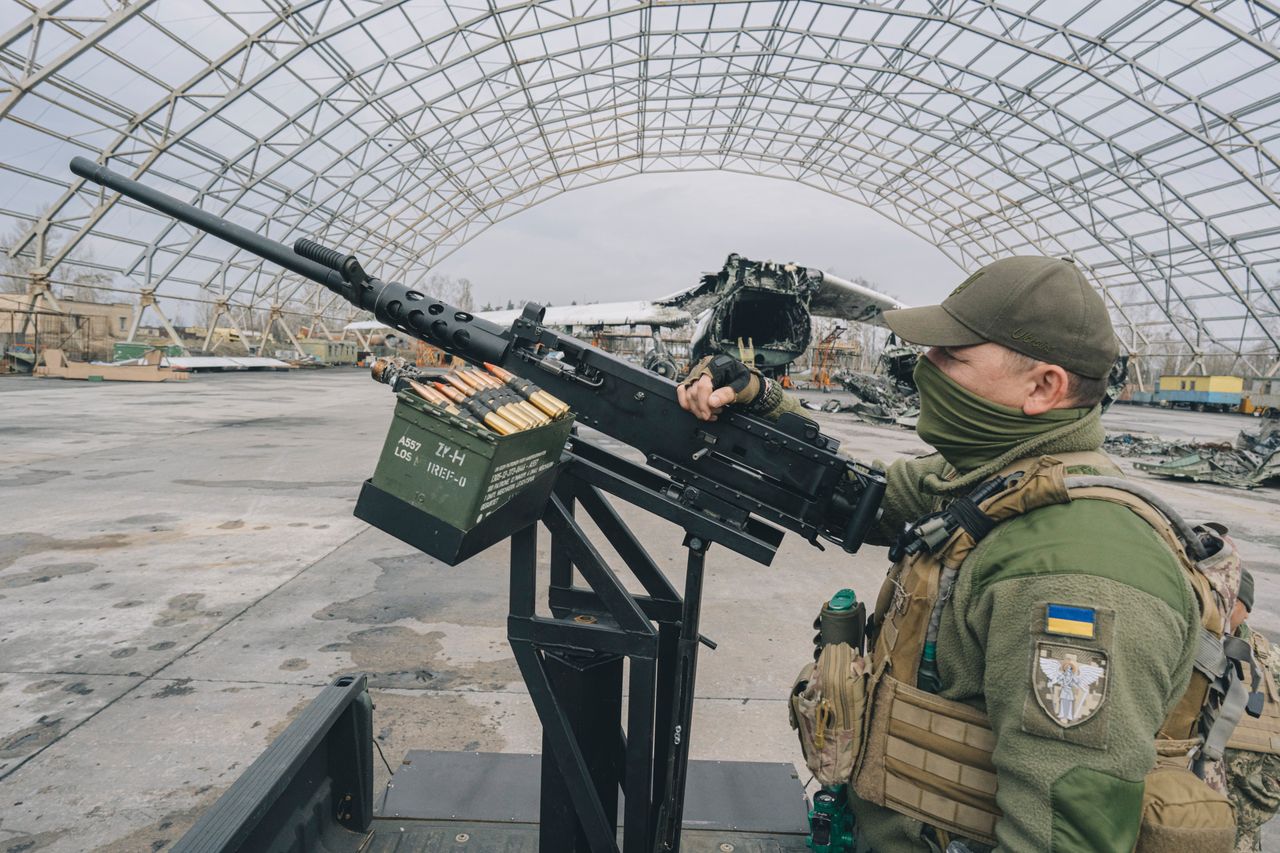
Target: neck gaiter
[970,431]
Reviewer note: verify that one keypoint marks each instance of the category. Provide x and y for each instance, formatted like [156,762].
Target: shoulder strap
[1025,485]
[1153,509]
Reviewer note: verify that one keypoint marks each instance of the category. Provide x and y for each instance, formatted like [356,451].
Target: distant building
[83,330]
[1221,393]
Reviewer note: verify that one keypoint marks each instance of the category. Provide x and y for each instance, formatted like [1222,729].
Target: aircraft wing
[638,313]
[847,300]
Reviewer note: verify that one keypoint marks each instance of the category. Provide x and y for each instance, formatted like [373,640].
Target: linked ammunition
[551,405]
[501,406]
[504,393]
[399,374]
[471,394]
[483,413]
[483,380]
[435,398]
[488,399]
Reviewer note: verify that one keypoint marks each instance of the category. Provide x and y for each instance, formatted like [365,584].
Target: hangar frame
[1139,139]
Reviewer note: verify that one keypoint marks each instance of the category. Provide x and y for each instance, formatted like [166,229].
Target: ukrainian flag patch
[1068,621]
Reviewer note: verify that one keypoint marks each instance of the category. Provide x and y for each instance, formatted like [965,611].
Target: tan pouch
[827,708]
[1182,814]
[929,758]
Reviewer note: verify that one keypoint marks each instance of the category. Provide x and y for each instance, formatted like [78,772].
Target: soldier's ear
[1049,390]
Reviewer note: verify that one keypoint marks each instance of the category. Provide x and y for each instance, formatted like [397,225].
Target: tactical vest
[930,758]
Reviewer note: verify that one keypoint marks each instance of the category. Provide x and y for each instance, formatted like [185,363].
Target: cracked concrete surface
[180,572]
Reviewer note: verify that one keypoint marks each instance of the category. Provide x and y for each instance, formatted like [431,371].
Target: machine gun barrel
[234,234]
[400,307]
[736,467]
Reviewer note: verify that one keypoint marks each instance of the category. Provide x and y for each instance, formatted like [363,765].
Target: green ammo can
[451,487]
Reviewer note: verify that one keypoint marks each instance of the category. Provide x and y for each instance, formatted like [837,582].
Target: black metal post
[671,809]
[561,561]
[588,687]
[573,661]
[664,718]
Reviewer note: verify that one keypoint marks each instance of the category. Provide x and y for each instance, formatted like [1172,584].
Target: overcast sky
[647,236]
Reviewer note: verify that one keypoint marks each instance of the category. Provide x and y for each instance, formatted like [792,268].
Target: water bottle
[843,620]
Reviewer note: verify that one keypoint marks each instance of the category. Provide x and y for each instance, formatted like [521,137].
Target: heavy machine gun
[734,481]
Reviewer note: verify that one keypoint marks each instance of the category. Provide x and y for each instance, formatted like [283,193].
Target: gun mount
[734,481]
[787,473]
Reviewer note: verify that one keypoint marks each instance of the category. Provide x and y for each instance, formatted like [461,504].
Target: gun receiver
[738,466]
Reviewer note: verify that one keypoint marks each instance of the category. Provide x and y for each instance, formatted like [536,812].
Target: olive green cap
[1040,307]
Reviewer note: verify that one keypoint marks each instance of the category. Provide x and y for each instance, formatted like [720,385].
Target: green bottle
[843,620]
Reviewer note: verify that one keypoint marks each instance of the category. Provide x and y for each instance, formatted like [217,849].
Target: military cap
[1041,307]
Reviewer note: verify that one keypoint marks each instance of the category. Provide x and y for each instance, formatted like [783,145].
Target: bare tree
[79,280]
[455,291]
[15,273]
[466,301]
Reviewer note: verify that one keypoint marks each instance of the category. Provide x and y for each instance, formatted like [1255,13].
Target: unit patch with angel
[1070,682]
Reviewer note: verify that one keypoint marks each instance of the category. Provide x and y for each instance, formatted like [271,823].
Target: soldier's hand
[714,383]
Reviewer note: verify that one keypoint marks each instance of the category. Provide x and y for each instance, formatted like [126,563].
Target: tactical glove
[727,372]
[753,391]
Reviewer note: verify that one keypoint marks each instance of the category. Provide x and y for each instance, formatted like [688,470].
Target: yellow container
[1212,384]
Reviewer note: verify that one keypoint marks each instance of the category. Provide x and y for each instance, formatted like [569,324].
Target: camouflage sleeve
[1253,786]
[1253,778]
[784,402]
[1077,633]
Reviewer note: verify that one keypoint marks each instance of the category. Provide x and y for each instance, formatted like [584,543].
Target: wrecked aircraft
[764,307]
[757,311]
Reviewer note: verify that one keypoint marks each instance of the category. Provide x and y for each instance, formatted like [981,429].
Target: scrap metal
[887,397]
[1254,459]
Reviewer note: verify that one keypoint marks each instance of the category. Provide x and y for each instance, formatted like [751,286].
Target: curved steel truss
[1138,138]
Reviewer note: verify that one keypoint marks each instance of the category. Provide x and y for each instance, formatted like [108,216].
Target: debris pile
[1254,459]
[899,363]
[1144,444]
[1266,442]
[886,397]
[876,399]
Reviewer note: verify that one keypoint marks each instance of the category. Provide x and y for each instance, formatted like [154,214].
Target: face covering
[970,431]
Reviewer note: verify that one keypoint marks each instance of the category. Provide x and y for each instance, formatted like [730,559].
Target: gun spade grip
[864,514]
[310,249]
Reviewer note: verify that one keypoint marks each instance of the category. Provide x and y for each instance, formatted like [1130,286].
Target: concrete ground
[180,573]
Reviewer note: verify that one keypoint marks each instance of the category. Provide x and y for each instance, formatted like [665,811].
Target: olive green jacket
[1076,788]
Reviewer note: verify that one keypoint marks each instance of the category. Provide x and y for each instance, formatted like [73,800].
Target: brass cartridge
[550,405]
[483,413]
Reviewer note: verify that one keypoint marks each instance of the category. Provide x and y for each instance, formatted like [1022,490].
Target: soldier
[1019,358]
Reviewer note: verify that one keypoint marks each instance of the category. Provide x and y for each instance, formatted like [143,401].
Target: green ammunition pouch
[827,709]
